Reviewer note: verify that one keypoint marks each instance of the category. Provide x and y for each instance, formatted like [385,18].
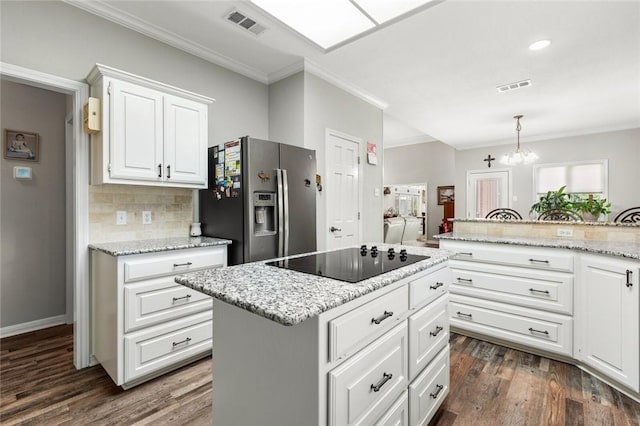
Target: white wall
[286,110]
[56,38]
[327,107]
[621,148]
[32,224]
[432,163]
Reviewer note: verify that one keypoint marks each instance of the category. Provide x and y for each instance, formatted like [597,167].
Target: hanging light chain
[518,128]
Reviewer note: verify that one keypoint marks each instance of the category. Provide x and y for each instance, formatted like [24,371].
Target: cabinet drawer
[157,347]
[428,334]
[365,386]
[428,287]
[152,265]
[427,392]
[543,330]
[160,300]
[398,414]
[504,254]
[551,291]
[352,331]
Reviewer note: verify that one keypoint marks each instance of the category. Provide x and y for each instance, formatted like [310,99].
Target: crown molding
[141,26]
[411,140]
[343,84]
[287,71]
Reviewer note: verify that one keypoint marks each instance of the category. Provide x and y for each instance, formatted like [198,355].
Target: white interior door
[487,191]
[343,195]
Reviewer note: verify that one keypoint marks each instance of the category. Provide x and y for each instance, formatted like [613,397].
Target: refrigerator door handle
[285,190]
[280,213]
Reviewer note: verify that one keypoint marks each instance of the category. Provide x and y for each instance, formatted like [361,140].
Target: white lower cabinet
[143,322]
[608,321]
[398,414]
[427,392]
[582,306]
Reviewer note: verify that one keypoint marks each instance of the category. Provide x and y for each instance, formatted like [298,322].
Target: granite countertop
[124,248]
[290,297]
[613,248]
[549,222]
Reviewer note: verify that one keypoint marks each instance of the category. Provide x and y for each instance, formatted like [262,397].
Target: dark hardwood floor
[491,385]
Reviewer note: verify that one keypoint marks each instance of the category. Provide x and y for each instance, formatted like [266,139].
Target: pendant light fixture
[521,155]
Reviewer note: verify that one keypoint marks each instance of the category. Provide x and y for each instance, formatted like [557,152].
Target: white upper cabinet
[152,133]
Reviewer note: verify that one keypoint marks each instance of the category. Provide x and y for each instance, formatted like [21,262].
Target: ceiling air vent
[513,86]
[242,20]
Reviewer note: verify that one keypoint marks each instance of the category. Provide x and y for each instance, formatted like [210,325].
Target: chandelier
[521,155]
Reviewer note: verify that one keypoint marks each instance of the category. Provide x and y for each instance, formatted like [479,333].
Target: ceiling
[435,72]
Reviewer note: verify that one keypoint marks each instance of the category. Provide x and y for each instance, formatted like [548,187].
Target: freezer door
[221,217]
[260,162]
[300,166]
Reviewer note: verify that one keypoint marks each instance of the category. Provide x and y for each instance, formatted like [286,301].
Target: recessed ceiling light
[540,44]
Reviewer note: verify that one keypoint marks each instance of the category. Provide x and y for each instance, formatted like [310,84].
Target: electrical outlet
[146,217]
[564,232]
[121,217]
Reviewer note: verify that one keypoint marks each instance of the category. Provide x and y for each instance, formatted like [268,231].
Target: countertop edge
[589,246]
[155,246]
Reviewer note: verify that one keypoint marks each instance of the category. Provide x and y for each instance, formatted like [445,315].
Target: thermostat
[20,172]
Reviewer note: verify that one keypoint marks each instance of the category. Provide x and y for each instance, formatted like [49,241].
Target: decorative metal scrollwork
[559,214]
[503,214]
[631,215]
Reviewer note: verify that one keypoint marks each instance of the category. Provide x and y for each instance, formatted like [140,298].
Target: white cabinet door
[609,317]
[185,143]
[136,132]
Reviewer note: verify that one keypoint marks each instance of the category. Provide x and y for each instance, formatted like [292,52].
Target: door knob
[334,229]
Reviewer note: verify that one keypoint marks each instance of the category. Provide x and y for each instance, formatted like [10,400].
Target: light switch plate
[146,217]
[121,217]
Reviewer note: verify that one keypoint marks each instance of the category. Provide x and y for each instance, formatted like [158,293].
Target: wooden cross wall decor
[489,159]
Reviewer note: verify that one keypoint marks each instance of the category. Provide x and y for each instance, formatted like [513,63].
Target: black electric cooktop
[351,264]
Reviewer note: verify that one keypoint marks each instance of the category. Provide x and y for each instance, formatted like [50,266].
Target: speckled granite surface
[123,248]
[548,222]
[290,297]
[612,248]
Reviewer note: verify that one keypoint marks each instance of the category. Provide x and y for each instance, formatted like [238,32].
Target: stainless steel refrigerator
[262,197]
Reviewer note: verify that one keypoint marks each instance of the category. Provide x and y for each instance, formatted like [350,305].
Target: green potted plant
[552,200]
[592,208]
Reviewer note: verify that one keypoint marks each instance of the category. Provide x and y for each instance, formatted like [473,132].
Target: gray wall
[286,110]
[621,148]
[32,223]
[431,163]
[328,107]
[66,41]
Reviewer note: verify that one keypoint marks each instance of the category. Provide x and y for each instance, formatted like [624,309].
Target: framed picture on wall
[21,145]
[446,193]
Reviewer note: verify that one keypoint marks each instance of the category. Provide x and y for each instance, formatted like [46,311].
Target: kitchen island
[293,348]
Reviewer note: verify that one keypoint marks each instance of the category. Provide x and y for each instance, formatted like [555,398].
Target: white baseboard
[25,327]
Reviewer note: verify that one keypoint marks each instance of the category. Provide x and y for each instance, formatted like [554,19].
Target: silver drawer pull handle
[437,392]
[385,378]
[629,283]
[382,317]
[435,333]
[435,287]
[462,314]
[539,261]
[465,253]
[533,330]
[175,265]
[465,280]
[175,299]
[187,340]
[533,290]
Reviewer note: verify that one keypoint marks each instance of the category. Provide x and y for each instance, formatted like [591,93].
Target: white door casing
[342,189]
[77,208]
[487,190]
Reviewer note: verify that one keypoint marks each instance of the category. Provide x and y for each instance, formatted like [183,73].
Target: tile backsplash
[171,212]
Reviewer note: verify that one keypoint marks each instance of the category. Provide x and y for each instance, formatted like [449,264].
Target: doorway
[77,198]
[487,191]
[406,201]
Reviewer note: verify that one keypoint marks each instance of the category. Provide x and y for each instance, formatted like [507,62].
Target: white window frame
[605,178]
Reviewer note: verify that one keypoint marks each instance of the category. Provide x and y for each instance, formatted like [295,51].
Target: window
[581,178]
